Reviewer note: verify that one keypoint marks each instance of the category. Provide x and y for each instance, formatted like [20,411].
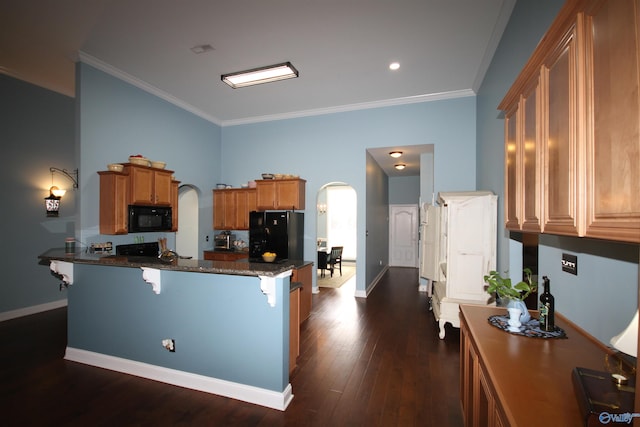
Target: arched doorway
[187,234]
[336,217]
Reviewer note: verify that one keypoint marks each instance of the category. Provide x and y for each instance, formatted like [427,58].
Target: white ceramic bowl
[158,165]
[115,167]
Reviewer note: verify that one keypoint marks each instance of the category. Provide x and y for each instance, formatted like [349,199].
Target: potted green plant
[509,293]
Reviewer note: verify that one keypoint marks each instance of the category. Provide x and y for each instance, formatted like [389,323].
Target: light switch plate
[570,263]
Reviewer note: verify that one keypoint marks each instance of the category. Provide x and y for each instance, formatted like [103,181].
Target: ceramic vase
[524,313]
[514,319]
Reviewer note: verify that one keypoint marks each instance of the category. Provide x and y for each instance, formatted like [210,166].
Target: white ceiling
[342,49]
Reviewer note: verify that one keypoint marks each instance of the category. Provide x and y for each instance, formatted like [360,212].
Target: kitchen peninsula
[227,322]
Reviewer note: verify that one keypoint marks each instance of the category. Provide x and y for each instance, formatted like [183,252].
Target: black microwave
[149,218]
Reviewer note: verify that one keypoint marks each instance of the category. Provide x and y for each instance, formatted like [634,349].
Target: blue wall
[332,147]
[37,132]
[222,325]
[404,190]
[603,296]
[116,120]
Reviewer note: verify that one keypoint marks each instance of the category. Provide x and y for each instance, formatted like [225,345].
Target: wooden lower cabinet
[303,275]
[513,380]
[225,255]
[294,328]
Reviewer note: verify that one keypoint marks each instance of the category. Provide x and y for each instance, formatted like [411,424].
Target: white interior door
[403,235]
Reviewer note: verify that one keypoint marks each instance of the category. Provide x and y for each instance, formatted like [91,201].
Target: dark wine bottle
[547,308]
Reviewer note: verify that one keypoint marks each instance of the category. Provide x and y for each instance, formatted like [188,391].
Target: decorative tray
[528,329]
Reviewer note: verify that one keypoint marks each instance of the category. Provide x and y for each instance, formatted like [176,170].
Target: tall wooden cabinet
[572,127]
[465,252]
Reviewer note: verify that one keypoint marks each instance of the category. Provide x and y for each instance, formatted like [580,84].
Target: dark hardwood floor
[363,362]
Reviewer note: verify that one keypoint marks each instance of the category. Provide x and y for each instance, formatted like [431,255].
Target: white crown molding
[494,41]
[353,107]
[115,72]
[111,70]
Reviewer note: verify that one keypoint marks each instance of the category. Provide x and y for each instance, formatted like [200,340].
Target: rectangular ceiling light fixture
[257,76]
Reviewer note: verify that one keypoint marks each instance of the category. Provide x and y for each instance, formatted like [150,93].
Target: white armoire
[458,250]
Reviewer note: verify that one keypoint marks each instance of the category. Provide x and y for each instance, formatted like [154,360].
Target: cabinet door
[161,188]
[613,148]
[561,154]
[290,194]
[530,185]
[141,185]
[303,275]
[512,180]
[218,210]
[114,200]
[229,209]
[242,210]
[174,205]
[266,194]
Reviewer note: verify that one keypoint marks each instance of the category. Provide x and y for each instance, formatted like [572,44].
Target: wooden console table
[512,380]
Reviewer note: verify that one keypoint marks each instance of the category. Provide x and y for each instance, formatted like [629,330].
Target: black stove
[139,249]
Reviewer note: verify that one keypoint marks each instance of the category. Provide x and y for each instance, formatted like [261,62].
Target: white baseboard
[27,311]
[364,294]
[246,393]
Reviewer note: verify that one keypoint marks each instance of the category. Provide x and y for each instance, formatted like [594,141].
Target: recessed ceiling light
[395,154]
[394,65]
[256,76]
[400,166]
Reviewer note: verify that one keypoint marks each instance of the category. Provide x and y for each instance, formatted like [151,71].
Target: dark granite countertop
[238,268]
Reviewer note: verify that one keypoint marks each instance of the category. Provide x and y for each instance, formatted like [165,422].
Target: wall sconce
[322,208]
[52,202]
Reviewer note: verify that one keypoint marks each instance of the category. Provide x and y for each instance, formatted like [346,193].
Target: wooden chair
[335,257]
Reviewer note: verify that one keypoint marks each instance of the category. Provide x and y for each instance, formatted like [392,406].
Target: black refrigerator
[281,232]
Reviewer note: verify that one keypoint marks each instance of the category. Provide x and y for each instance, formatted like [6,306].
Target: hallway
[373,362]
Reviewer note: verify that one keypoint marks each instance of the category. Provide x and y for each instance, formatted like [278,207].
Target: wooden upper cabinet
[531,160]
[114,200]
[149,186]
[231,208]
[572,126]
[512,191]
[561,153]
[286,194]
[218,210]
[174,205]
[613,106]
[522,161]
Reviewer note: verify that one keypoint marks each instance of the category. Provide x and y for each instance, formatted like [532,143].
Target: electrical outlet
[169,344]
[206,239]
